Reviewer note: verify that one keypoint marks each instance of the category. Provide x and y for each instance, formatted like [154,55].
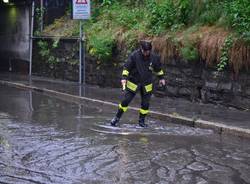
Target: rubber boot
[114,121]
[142,122]
[117,117]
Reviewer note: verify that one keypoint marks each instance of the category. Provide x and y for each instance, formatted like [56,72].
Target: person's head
[146,47]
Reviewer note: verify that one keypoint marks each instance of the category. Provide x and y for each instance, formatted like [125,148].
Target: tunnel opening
[14,35]
[15,21]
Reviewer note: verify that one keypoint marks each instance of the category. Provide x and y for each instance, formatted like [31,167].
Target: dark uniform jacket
[138,71]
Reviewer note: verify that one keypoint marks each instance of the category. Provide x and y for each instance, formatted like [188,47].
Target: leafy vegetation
[101,45]
[46,52]
[118,24]
[238,12]
[190,53]
[52,53]
[224,59]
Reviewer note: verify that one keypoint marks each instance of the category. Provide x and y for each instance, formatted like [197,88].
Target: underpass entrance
[14,36]
[15,29]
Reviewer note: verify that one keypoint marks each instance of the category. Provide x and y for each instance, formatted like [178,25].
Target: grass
[191,29]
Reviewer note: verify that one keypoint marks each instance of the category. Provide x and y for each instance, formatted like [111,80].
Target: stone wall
[197,82]
[190,80]
[96,73]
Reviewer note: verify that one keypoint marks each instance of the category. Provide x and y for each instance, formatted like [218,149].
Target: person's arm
[159,71]
[126,69]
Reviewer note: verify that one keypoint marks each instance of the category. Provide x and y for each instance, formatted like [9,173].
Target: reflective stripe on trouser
[149,88]
[144,111]
[129,95]
[124,109]
[145,105]
[124,104]
[131,86]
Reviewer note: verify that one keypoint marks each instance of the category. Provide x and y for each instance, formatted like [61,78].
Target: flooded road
[46,141]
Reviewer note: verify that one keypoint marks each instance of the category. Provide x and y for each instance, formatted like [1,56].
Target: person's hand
[162,82]
[123,82]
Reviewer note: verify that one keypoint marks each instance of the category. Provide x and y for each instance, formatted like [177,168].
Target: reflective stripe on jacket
[139,71]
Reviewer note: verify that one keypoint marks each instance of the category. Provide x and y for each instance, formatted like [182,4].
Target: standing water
[50,141]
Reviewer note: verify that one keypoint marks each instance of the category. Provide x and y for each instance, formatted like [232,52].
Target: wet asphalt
[47,140]
[227,116]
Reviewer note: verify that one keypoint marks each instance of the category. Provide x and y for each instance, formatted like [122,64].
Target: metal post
[80,54]
[83,56]
[31,36]
[42,11]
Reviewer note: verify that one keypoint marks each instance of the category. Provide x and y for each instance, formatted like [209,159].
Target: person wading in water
[137,76]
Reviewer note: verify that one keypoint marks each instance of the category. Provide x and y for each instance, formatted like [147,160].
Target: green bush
[175,14]
[100,45]
[46,51]
[238,13]
[189,53]
[128,18]
[211,12]
[162,15]
[155,17]
[185,10]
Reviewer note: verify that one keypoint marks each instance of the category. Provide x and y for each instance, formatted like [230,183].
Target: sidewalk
[176,110]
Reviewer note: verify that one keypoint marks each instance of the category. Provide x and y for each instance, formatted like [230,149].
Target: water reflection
[46,140]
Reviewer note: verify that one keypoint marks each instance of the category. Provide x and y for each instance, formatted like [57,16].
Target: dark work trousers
[128,97]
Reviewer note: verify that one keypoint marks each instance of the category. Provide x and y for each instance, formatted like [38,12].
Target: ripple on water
[155,128]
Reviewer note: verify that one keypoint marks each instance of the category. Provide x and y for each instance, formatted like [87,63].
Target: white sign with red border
[81,9]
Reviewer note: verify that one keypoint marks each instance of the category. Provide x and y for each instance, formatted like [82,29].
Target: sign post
[31,36]
[81,11]
[81,54]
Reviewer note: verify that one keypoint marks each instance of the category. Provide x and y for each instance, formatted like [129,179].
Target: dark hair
[145,45]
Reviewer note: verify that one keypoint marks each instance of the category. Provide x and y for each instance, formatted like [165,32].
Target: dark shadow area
[14,36]
[15,21]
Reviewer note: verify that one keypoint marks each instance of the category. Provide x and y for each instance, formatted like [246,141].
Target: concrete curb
[217,127]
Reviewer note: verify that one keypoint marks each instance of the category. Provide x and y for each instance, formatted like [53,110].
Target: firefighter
[137,76]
